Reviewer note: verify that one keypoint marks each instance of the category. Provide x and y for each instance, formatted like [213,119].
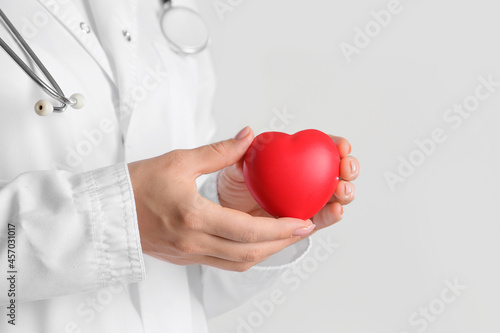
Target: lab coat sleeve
[68,233]
[225,290]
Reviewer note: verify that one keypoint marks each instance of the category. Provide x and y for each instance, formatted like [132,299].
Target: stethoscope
[183,28]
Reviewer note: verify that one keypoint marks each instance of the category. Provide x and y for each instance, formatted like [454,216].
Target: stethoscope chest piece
[184,29]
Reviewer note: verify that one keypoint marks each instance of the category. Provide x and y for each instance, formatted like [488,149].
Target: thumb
[218,155]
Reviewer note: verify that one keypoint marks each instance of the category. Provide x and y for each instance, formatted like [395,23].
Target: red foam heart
[292,175]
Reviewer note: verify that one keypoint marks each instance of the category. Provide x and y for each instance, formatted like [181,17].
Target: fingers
[349,171]
[345,193]
[349,168]
[218,247]
[234,173]
[224,254]
[241,227]
[343,145]
[224,264]
[330,214]
[218,155]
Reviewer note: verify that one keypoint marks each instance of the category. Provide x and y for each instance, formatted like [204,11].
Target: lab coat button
[85,27]
[127,35]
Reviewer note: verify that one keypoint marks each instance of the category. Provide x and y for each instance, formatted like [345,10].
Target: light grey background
[396,248]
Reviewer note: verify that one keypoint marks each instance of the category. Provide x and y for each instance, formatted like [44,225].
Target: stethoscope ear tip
[44,108]
[79,101]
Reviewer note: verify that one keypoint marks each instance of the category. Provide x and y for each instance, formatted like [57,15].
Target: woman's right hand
[177,225]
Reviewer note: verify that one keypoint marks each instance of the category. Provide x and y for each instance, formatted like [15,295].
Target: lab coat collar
[67,14]
[116,55]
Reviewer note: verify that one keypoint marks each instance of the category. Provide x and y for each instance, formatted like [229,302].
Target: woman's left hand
[233,192]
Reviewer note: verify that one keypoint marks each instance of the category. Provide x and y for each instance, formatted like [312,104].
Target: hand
[234,194]
[346,191]
[177,225]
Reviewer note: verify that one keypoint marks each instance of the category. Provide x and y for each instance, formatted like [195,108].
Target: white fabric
[65,185]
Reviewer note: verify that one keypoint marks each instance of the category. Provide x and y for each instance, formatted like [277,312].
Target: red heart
[292,175]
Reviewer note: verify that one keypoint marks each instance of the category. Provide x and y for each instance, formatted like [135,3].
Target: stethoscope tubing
[77,101]
[55,91]
[167,5]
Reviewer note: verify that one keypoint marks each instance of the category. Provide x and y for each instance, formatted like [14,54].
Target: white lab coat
[65,191]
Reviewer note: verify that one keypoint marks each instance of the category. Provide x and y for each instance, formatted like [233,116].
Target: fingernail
[304,231]
[348,189]
[349,148]
[353,167]
[243,133]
